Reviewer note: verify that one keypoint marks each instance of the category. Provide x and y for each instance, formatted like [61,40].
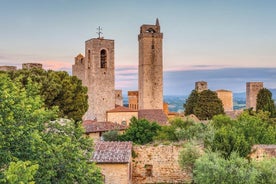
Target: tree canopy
[57,88]
[33,140]
[140,131]
[204,105]
[265,102]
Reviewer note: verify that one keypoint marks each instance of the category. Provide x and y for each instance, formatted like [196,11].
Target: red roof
[112,152]
[156,115]
[119,108]
[94,126]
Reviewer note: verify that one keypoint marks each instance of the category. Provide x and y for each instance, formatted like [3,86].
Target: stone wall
[262,151]
[157,164]
[116,173]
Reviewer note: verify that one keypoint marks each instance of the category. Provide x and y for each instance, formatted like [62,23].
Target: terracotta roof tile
[119,108]
[94,126]
[112,152]
[156,115]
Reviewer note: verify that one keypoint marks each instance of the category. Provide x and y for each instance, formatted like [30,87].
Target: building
[263,151]
[252,90]
[121,115]
[114,160]
[150,67]
[201,86]
[95,129]
[133,100]
[7,68]
[118,97]
[31,65]
[96,70]
[227,99]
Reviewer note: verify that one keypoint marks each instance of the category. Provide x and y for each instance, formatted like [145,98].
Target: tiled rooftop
[156,115]
[112,152]
[94,126]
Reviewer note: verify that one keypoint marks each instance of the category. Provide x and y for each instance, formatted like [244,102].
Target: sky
[225,43]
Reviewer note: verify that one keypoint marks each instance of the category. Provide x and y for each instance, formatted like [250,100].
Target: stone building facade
[252,90]
[7,68]
[133,100]
[96,70]
[150,67]
[114,160]
[201,86]
[226,97]
[121,115]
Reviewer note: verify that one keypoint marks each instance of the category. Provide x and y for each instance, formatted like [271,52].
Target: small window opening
[148,168]
[103,59]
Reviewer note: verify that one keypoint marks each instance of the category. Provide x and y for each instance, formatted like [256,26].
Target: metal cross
[99,31]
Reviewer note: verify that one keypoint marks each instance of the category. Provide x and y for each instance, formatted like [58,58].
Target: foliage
[57,88]
[140,131]
[212,168]
[265,102]
[191,103]
[204,105]
[241,134]
[266,170]
[208,105]
[188,156]
[27,134]
[20,172]
[193,131]
[111,135]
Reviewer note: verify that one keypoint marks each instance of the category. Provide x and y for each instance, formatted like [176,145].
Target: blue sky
[226,43]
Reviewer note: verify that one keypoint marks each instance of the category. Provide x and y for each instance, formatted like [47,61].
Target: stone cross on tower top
[100,32]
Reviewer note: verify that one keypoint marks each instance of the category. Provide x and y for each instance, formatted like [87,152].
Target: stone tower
[252,90]
[150,67]
[227,99]
[201,86]
[96,70]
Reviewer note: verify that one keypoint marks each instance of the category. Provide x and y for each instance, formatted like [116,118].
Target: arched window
[103,59]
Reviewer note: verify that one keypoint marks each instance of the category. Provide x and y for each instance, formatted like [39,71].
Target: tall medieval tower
[96,70]
[150,67]
[252,90]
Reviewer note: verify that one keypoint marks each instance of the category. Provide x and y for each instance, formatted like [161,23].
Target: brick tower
[252,90]
[96,70]
[150,67]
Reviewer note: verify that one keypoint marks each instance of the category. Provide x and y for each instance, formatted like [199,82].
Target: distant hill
[176,102]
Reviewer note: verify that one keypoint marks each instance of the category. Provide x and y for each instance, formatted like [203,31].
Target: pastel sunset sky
[224,42]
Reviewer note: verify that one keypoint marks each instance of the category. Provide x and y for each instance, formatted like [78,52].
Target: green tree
[111,135]
[188,156]
[140,131]
[28,133]
[190,103]
[208,105]
[212,168]
[57,88]
[265,102]
[20,172]
[266,170]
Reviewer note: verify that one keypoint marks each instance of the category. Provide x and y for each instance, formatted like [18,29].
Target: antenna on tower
[100,32]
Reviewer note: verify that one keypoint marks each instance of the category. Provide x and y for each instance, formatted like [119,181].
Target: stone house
[114,160]
[121,115]
[96,129]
